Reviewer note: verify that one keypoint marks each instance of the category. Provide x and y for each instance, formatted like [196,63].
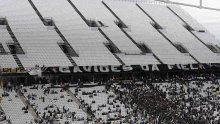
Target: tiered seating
[174,29]
[122,31]
[186,17]
[12,106]
[138,59]
[192,99]
[124,44]
[199,30]
[4,122]
[39,43]
[3,119]
[200,96]
[6,60]
[92,11]
[143,32]
[104,104]
[56,101]
[86,42]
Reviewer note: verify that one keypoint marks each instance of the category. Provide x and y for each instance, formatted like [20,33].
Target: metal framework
[190,5]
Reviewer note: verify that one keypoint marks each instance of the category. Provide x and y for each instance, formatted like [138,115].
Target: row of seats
[104,104]
[40,42]
[144,32]
[54,103]
[177,33]
[87,43]
[12,106]
[6,60]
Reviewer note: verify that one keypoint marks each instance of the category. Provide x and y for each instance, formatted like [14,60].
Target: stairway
[71,51]
[36,10]
[76,100]
[71,59]
[2,50]
[30,107]
[18,47]
[17,60]
[49,22]
[67,52]
[119,59]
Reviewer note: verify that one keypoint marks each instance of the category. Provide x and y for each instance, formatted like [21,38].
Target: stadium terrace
[106,62]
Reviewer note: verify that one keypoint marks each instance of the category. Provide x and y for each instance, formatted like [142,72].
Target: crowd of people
[177,100]
[102,104]
[46,108]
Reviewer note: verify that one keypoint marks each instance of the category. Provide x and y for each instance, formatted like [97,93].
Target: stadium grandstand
[106,62]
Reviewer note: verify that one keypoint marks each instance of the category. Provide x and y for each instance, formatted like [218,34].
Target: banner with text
[111,69]
[130,68]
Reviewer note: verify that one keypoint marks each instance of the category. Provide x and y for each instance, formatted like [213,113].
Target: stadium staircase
[76,100]
[66,47]
[36,10]
[2,50]
[114,50]
[118,59]
[144,49]
[18,47]
[159,28]
[5,121]
[26,103]
[17,60]
[122,26]
[213,48]
[111,46]
[15,47]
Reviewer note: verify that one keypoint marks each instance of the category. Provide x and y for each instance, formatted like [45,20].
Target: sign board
[112,69]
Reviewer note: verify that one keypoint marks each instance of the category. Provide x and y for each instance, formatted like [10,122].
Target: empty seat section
[6,60]
[56,100]
[12,106]
[5,38]
[87,43]
[186,17]
[142,31]
[92,11]
[101,98]
[174,29]
[113,32]
[138,59]
[201,32]
[39,43]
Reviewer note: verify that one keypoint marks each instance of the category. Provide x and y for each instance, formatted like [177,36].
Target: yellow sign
[13,70]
